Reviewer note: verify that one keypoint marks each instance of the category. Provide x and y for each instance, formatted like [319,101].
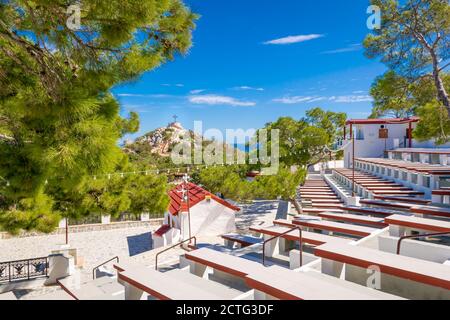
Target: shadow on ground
[139,243]
[255,214]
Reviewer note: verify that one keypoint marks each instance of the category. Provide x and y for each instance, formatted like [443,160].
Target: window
[396,174]
[415,157]
[404,175]
[359,134]
[414,178]
[426,181]
[435,158]
[397,155]
[383,170]
[389,172]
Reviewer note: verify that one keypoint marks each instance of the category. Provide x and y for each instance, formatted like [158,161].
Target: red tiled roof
[195,194]
[383,121]
[162,230]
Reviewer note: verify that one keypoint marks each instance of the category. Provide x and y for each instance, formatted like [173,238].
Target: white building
[373,137]
[194,211]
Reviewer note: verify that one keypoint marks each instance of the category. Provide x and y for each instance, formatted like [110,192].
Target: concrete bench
[243,241]
[307,237]
[320,195]
[232,265]
[354,218]
[318,210]
[103,288]
[403,199]
[369,211]
[421,271]
[398,192]
[387,204]
[323,201]
[360,231]
[140,281]
[431,210]
[279,283]
[315,194]
[412,222]
[328,206]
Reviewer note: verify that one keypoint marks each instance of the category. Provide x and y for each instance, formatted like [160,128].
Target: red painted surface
[196,194]
[162,230]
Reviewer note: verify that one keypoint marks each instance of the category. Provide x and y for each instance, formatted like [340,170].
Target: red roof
[195,194]
[383,121]
[162,230]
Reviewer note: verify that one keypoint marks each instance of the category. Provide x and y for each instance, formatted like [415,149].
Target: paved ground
[129,243]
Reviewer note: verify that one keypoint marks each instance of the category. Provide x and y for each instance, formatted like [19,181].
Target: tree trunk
[297,205]
[442,94]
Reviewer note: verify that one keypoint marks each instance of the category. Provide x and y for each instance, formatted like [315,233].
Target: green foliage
[413,42]
[59,123]
[232,183]
[308,140]
[302,142]
[413,36]
[434,124]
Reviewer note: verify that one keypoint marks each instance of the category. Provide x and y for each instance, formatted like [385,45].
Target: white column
[106,219]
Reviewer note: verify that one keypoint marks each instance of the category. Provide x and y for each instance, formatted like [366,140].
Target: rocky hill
[161,141]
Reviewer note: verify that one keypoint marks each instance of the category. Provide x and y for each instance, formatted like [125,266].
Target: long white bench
[432,211]
[426,272]
[387,204]
[317,210]
[418,223]
[353,218]
[289,285]
[280,283]
[171,285]
[402,199]
[242,240]
[307,237]
[103,288]
[331,226]
[369,211]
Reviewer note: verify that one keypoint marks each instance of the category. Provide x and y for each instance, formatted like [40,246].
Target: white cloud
[248,88]
[294,39]
[317,99]
[350,48]
[211,99]
[197,91]
[351,98]
[336,99]
[172,85]
[294,100]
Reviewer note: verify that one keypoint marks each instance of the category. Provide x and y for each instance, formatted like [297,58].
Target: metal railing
[102,264]
[280,235]
[418,236]
[23,269]
[171,247]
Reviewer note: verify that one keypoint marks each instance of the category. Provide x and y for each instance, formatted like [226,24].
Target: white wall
[373,147]
[208,218]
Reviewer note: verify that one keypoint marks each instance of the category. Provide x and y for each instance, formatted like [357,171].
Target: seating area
[317,194]
[351,236]
[377,249]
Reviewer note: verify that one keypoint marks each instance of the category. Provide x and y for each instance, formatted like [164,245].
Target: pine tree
[59,123]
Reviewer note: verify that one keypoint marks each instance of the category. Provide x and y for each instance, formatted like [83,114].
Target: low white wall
[415,249]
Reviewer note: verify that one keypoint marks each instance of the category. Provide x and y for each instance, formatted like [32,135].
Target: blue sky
[253,61]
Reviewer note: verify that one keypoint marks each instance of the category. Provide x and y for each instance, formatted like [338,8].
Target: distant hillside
[160,142]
